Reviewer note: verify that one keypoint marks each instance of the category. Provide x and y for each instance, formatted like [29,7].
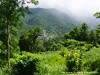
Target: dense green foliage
[56,56]
[24,64]
[85,34]
[29,40]
[32,52]
[11,12]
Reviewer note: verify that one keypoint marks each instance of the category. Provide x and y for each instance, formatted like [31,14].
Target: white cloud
[76,7]
[79,9]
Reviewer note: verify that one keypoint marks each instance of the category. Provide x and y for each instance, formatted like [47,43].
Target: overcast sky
[79,9]
[76,7]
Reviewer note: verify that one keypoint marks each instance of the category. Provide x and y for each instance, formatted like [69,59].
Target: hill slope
[51,20]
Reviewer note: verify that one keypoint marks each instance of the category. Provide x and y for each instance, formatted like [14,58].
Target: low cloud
[78,9]
[75,7]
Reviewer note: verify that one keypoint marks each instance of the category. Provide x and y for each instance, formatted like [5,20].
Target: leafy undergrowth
[52,63]
[56,62]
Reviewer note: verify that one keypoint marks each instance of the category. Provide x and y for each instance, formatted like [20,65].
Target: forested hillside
[51,20]
[29,51]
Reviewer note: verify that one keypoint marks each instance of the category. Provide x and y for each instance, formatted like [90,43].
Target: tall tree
[11,12]
[97,14]
[84,32]
[28,40]
[75,33]
[98,34]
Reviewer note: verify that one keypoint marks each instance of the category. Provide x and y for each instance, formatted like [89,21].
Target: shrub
[71,42]
[91,60]
[88,46]
[95,65]
[63,51]
[73,61]
[25,64]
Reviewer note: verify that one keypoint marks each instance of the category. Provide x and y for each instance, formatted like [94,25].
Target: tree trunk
[8,45]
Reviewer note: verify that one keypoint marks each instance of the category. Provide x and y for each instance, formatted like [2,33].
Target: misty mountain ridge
[51,20]
[55,21]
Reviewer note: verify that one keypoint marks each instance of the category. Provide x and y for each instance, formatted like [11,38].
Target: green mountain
[51,20]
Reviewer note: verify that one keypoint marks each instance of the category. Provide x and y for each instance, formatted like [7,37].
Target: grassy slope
[52,63]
